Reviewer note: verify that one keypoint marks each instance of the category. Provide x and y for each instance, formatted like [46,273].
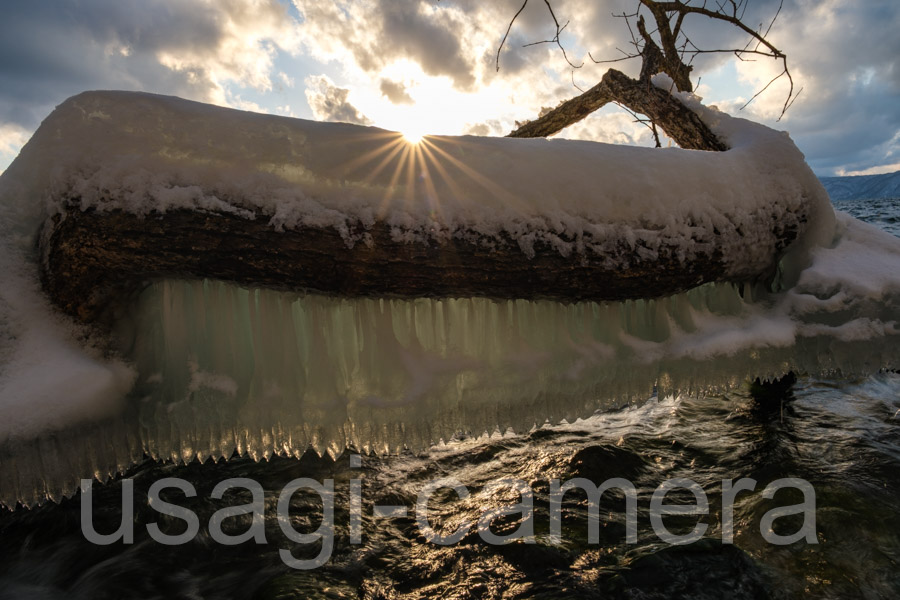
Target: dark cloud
[428,37]
[395,92]
[329,102]
[50,50]
[845,55]
[384,31]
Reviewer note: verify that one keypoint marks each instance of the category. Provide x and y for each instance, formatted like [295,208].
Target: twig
[508,29]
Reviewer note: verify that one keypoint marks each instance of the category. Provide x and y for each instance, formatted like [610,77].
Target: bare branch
[777,12]
[554,40]
[791,95]
[614,60]
[575,85]
[678,6]
[508,29]
[648,123]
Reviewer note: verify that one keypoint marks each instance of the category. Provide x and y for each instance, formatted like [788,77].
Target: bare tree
[666,49]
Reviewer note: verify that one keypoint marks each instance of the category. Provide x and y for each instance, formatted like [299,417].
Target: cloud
[879,170]
[373,34]
[844,55]
[329,102]
[481,129]
[12,138]
[611,125]
[396,92]
[423,44]
[50,50]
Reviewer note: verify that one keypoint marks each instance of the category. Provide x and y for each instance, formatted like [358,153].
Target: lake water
[842,436]
[883,212]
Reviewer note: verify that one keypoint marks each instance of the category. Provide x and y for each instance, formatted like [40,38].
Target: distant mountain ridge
[857,187]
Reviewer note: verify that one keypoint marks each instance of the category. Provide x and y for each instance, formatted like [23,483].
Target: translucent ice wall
[223,368]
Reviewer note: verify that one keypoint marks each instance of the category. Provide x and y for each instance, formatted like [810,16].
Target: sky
[430,66]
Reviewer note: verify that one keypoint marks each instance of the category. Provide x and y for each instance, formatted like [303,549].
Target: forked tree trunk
[678,121]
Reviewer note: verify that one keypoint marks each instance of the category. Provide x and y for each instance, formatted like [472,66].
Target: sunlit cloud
[396,92]
[330,102]
[425,67]
[12,138]
[610,126]
[372,34]
[249,35]
[879,170]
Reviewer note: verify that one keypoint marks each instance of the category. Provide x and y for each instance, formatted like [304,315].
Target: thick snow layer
[208,367]
[143,153]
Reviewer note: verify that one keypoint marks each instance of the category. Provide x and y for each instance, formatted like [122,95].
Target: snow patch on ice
[52,381]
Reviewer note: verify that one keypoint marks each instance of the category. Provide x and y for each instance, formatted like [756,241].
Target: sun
[415,125]
[418,105]
[412,137]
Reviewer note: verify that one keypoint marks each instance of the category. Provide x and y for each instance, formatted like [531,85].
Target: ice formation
[201,368]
